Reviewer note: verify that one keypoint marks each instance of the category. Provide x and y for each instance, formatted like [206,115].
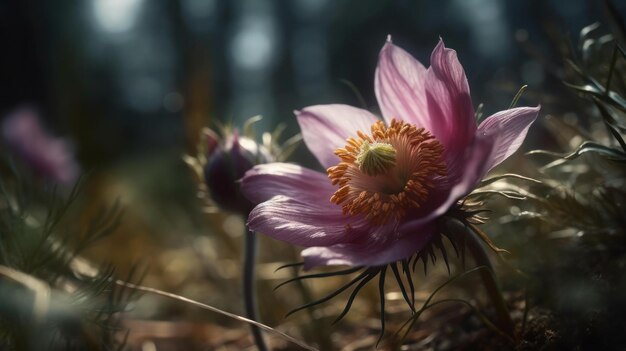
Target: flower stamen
[387,173]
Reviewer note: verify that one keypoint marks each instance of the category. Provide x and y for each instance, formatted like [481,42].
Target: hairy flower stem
[481,258]
[249,291]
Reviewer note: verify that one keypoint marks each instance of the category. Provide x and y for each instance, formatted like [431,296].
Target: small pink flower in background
[387,182]
[48,156]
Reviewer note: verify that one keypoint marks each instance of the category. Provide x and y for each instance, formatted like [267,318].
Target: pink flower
[387,182]
[48,156]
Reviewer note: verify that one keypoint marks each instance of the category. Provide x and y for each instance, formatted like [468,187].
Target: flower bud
[223,158]
[228,163]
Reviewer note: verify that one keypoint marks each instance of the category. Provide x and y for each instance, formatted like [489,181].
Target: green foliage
[584,189]
[570,233]
[51,298]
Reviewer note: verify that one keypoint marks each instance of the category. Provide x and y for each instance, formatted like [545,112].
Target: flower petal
[265,181]
[302,222]
[366,254]
[449,102]
[48,156]
[437,99]
[510,127]
[326,127]
[399,86]
[474,169]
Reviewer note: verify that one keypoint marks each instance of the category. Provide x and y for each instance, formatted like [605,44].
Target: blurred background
[131,83]
[126,78]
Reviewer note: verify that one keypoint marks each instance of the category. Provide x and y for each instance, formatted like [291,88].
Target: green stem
[249,291]
[481,258]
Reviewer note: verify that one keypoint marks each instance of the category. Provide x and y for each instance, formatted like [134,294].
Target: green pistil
[376,158]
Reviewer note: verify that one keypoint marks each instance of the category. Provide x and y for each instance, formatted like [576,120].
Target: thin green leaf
[505,176]
[405,295]
[296,264]
[331,295]
[607,86]
[356,290]
[585,147]
[381,294]
[518,96]
[584,33]
[610,97]
[609,120]
[409,278]
[509,194]
[319,275]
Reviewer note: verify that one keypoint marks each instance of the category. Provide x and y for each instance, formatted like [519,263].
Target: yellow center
[376,158]
[388,172]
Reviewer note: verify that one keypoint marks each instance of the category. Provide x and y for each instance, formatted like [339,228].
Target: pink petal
[449,102]
[399,86]
[366,254]
[510,128]
[326,128]
[474,169]
[303,223]
[47,155]
[437,99]
[265,181]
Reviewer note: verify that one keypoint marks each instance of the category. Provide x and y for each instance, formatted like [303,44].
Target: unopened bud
[226,165]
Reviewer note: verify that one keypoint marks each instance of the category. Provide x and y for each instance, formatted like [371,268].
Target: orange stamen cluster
[388,193]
